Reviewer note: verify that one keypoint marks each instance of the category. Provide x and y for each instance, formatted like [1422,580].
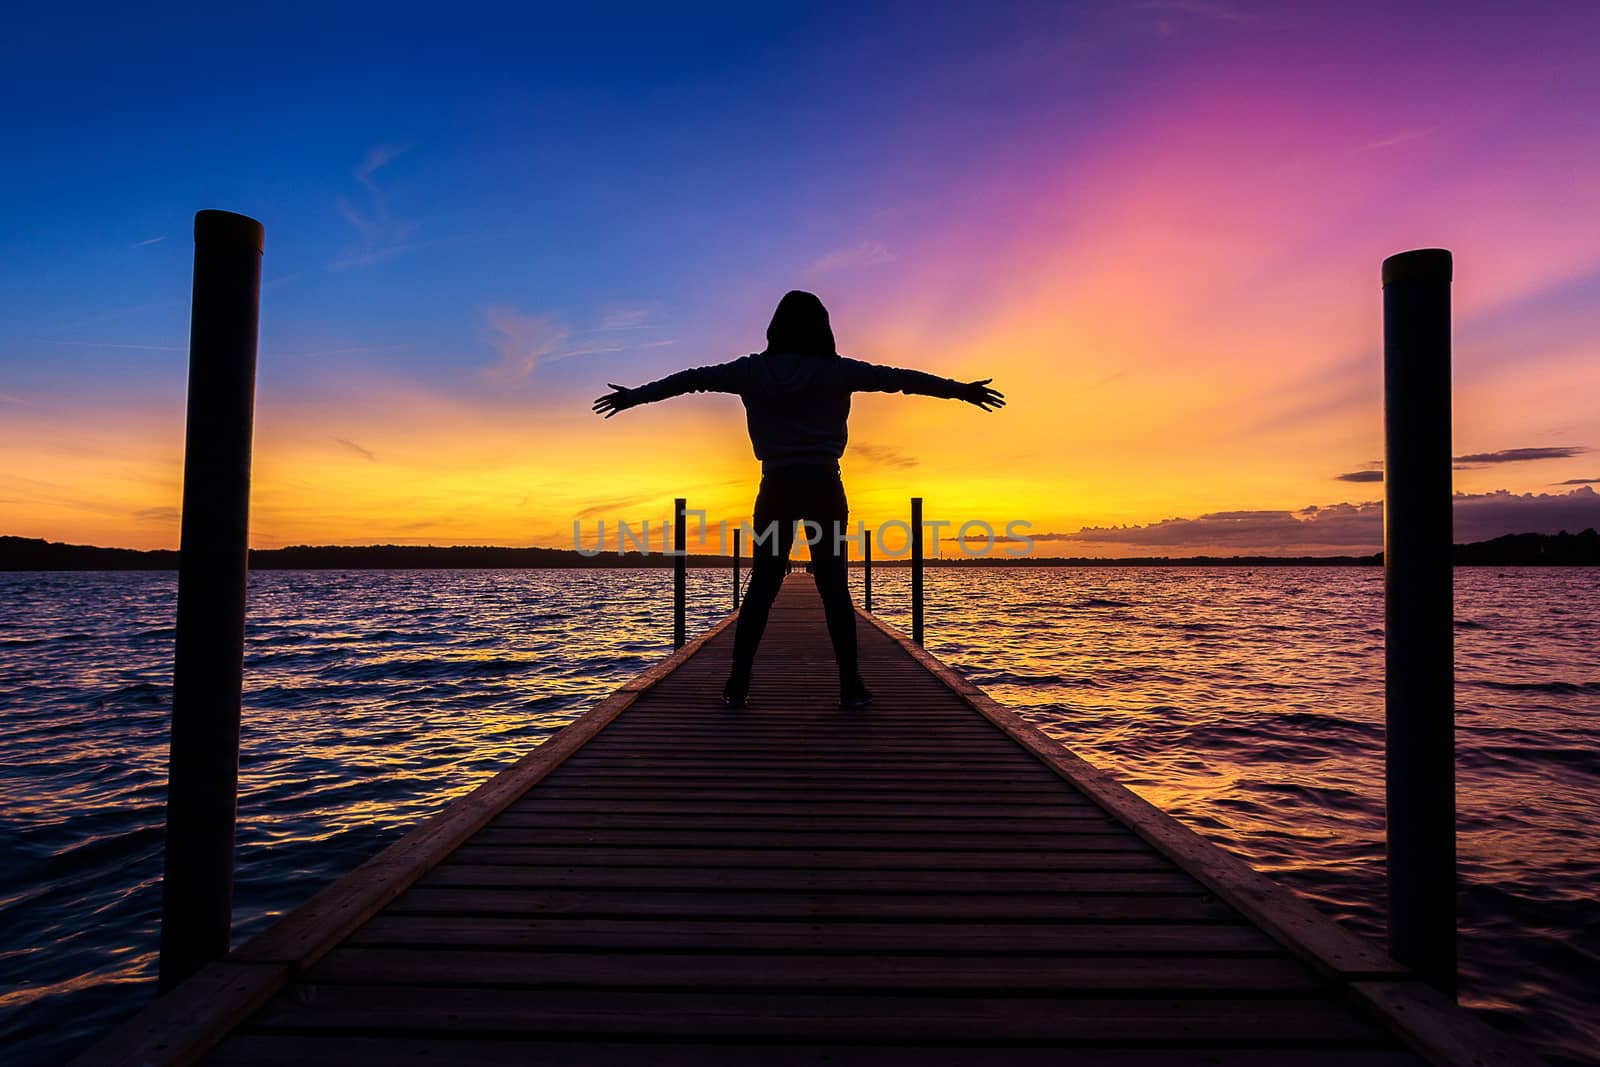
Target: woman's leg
[829,567]
[767,564]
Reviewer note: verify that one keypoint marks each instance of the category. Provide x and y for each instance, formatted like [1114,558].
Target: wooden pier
[929,881]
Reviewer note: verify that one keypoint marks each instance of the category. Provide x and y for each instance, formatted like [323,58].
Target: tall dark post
[208,658]
[916,569]
[680,573]
[736,570]
[866,569]
[1419,636]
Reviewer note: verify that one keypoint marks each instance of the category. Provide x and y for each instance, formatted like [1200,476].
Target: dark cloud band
[1348,527]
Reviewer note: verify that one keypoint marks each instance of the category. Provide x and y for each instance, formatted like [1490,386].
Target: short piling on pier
[680,572]
[916,569]
[866,572]
[929,881]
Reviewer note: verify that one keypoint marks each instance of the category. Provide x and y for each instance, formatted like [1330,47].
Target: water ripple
[1248,704]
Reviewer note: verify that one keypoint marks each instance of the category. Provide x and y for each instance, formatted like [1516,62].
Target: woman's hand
[620,399]
[980,394]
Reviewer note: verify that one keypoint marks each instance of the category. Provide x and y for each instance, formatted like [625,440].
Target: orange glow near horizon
[1184,313]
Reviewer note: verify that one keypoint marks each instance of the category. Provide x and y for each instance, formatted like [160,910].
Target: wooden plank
[848,937]
[667,781]
[922,809]
[179,1026]
[820,748]
[886,733]
[1436,1027]
[783,760]
[1075,837]
[446,897]
[459,870]
[343,1050]
[786,859]
[918,729]
[887,775]
[390,1009]
[1058,974]
[705,819]
[692,711]
[891,793]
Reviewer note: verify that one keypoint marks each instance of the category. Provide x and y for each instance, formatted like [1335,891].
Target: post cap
[228,228]
[1419,265]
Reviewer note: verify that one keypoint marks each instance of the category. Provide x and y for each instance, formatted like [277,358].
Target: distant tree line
[35,554]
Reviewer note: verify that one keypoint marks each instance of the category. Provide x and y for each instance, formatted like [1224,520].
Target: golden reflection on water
[131,969]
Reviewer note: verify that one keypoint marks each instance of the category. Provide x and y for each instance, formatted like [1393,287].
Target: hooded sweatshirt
[796,403]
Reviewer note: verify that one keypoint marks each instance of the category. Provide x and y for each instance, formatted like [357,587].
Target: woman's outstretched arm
[863,377]
[721,378]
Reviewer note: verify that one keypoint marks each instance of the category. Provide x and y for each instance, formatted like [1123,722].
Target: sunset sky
[1157,225]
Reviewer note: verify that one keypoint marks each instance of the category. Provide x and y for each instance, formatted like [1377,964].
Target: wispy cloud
[377,157]
[159,514]
[148,241]
[521,342]
[108,344]
[583,350]
[1202,9]
[379,234]
[525,342]
[1474,460]
[117,313]
[624,319]
[1172,15]
[865,254]
[349,350]
[357,449]
[1522,455]
[1372,472]
[1580,481]
[611,508]
[1398,138]
[883,455]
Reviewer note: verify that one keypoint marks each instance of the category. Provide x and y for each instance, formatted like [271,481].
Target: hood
[800,325]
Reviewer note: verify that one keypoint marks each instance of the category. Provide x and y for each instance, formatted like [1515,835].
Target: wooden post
[680,573]
[1419,634]
[736,570]
[866,570]
[213,566]
[916,569]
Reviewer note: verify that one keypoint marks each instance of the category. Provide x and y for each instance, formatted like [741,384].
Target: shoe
[853,693]
[736,693]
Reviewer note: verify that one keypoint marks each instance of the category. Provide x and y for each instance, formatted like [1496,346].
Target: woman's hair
[801,325]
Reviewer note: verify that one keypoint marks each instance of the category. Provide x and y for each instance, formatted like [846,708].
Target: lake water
[1247,703]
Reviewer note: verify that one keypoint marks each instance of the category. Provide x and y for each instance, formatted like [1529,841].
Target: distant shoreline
[37,554]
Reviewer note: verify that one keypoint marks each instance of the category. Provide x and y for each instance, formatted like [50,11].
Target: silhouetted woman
[796,398]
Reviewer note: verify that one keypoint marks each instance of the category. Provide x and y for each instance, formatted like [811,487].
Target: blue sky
[477,218]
